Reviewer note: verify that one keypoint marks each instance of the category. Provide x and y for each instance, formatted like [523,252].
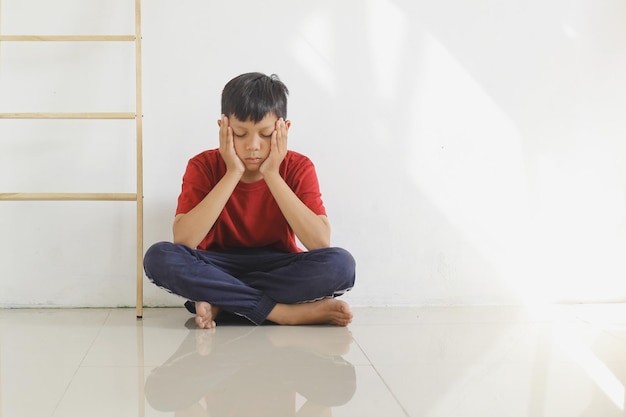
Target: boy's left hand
[278,149]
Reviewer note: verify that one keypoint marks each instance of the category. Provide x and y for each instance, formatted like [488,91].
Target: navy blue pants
[250,282]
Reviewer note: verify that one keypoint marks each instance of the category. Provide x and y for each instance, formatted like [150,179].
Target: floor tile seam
[80,364]
[456,323]
[508,362]
[393,395]
[95,339]
[615,339]
[144,367]
[602,328]
[391,392]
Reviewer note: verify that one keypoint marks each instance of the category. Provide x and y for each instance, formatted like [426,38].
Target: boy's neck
[250,177]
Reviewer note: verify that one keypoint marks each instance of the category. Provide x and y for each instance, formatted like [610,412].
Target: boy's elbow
[319,244]
[179,240]
[182,236]
[321,239]
[182,242]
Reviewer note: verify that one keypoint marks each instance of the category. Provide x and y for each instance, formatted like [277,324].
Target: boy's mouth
[253,160]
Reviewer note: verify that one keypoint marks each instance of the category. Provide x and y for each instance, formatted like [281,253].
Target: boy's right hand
[227,148]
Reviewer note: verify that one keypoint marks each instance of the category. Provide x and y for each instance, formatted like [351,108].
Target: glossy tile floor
[487,361]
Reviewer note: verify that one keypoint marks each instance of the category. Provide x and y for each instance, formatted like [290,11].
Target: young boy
[239,212]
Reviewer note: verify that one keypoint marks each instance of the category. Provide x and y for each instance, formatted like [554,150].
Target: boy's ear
[287,124]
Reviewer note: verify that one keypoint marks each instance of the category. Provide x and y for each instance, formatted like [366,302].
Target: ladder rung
[68,196]
[67,115]
[66,38]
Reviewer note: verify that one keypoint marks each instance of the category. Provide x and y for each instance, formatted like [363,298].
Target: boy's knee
[342,257]
[156,259]
[155,253]
[343,264]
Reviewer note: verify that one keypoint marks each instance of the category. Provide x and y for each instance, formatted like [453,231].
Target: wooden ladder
[137,196]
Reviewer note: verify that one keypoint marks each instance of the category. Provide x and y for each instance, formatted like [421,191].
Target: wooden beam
[68,196]
[139,127]
[48,115]
[67,38]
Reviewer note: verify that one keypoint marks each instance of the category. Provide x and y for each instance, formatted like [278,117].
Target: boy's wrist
[272,176]
[234,174]
[275,182]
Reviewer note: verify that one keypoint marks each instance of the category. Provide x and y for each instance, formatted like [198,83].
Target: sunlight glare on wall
[313,49]
[465,155]
[387,33]
[551,224]
[580,208]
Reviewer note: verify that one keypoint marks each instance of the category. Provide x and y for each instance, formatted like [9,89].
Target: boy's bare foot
[206,314]
[326,311]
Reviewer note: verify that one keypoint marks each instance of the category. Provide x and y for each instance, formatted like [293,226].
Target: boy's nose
[254,143]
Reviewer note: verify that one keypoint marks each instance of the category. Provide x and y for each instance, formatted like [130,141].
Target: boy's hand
[278,149]
[227,148]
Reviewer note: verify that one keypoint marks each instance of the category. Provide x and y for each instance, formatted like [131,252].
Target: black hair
[254,95]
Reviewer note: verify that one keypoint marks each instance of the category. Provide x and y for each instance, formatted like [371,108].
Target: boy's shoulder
[295,163]
[207,163]
[296,156]
[208,155]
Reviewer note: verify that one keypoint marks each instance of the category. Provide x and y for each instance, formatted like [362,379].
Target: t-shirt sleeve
[302,178]
[197,182]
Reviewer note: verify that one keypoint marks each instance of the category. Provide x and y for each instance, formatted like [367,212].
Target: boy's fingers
[223,123]
[282,136]
[230,142]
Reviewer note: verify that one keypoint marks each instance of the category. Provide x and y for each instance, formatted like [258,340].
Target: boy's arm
[312,230]
[191,227]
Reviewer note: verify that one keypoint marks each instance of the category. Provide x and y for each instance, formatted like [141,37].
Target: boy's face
[252,141]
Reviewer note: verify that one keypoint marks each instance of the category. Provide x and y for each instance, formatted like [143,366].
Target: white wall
[468,152]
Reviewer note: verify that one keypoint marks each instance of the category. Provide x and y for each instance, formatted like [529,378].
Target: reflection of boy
[239,212]
[255,373]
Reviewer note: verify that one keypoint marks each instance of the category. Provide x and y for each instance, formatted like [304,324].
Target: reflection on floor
[463,361]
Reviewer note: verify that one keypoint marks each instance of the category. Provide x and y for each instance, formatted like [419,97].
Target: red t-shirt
[251,217]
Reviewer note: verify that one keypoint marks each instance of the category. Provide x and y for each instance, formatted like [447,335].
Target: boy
[240,209]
